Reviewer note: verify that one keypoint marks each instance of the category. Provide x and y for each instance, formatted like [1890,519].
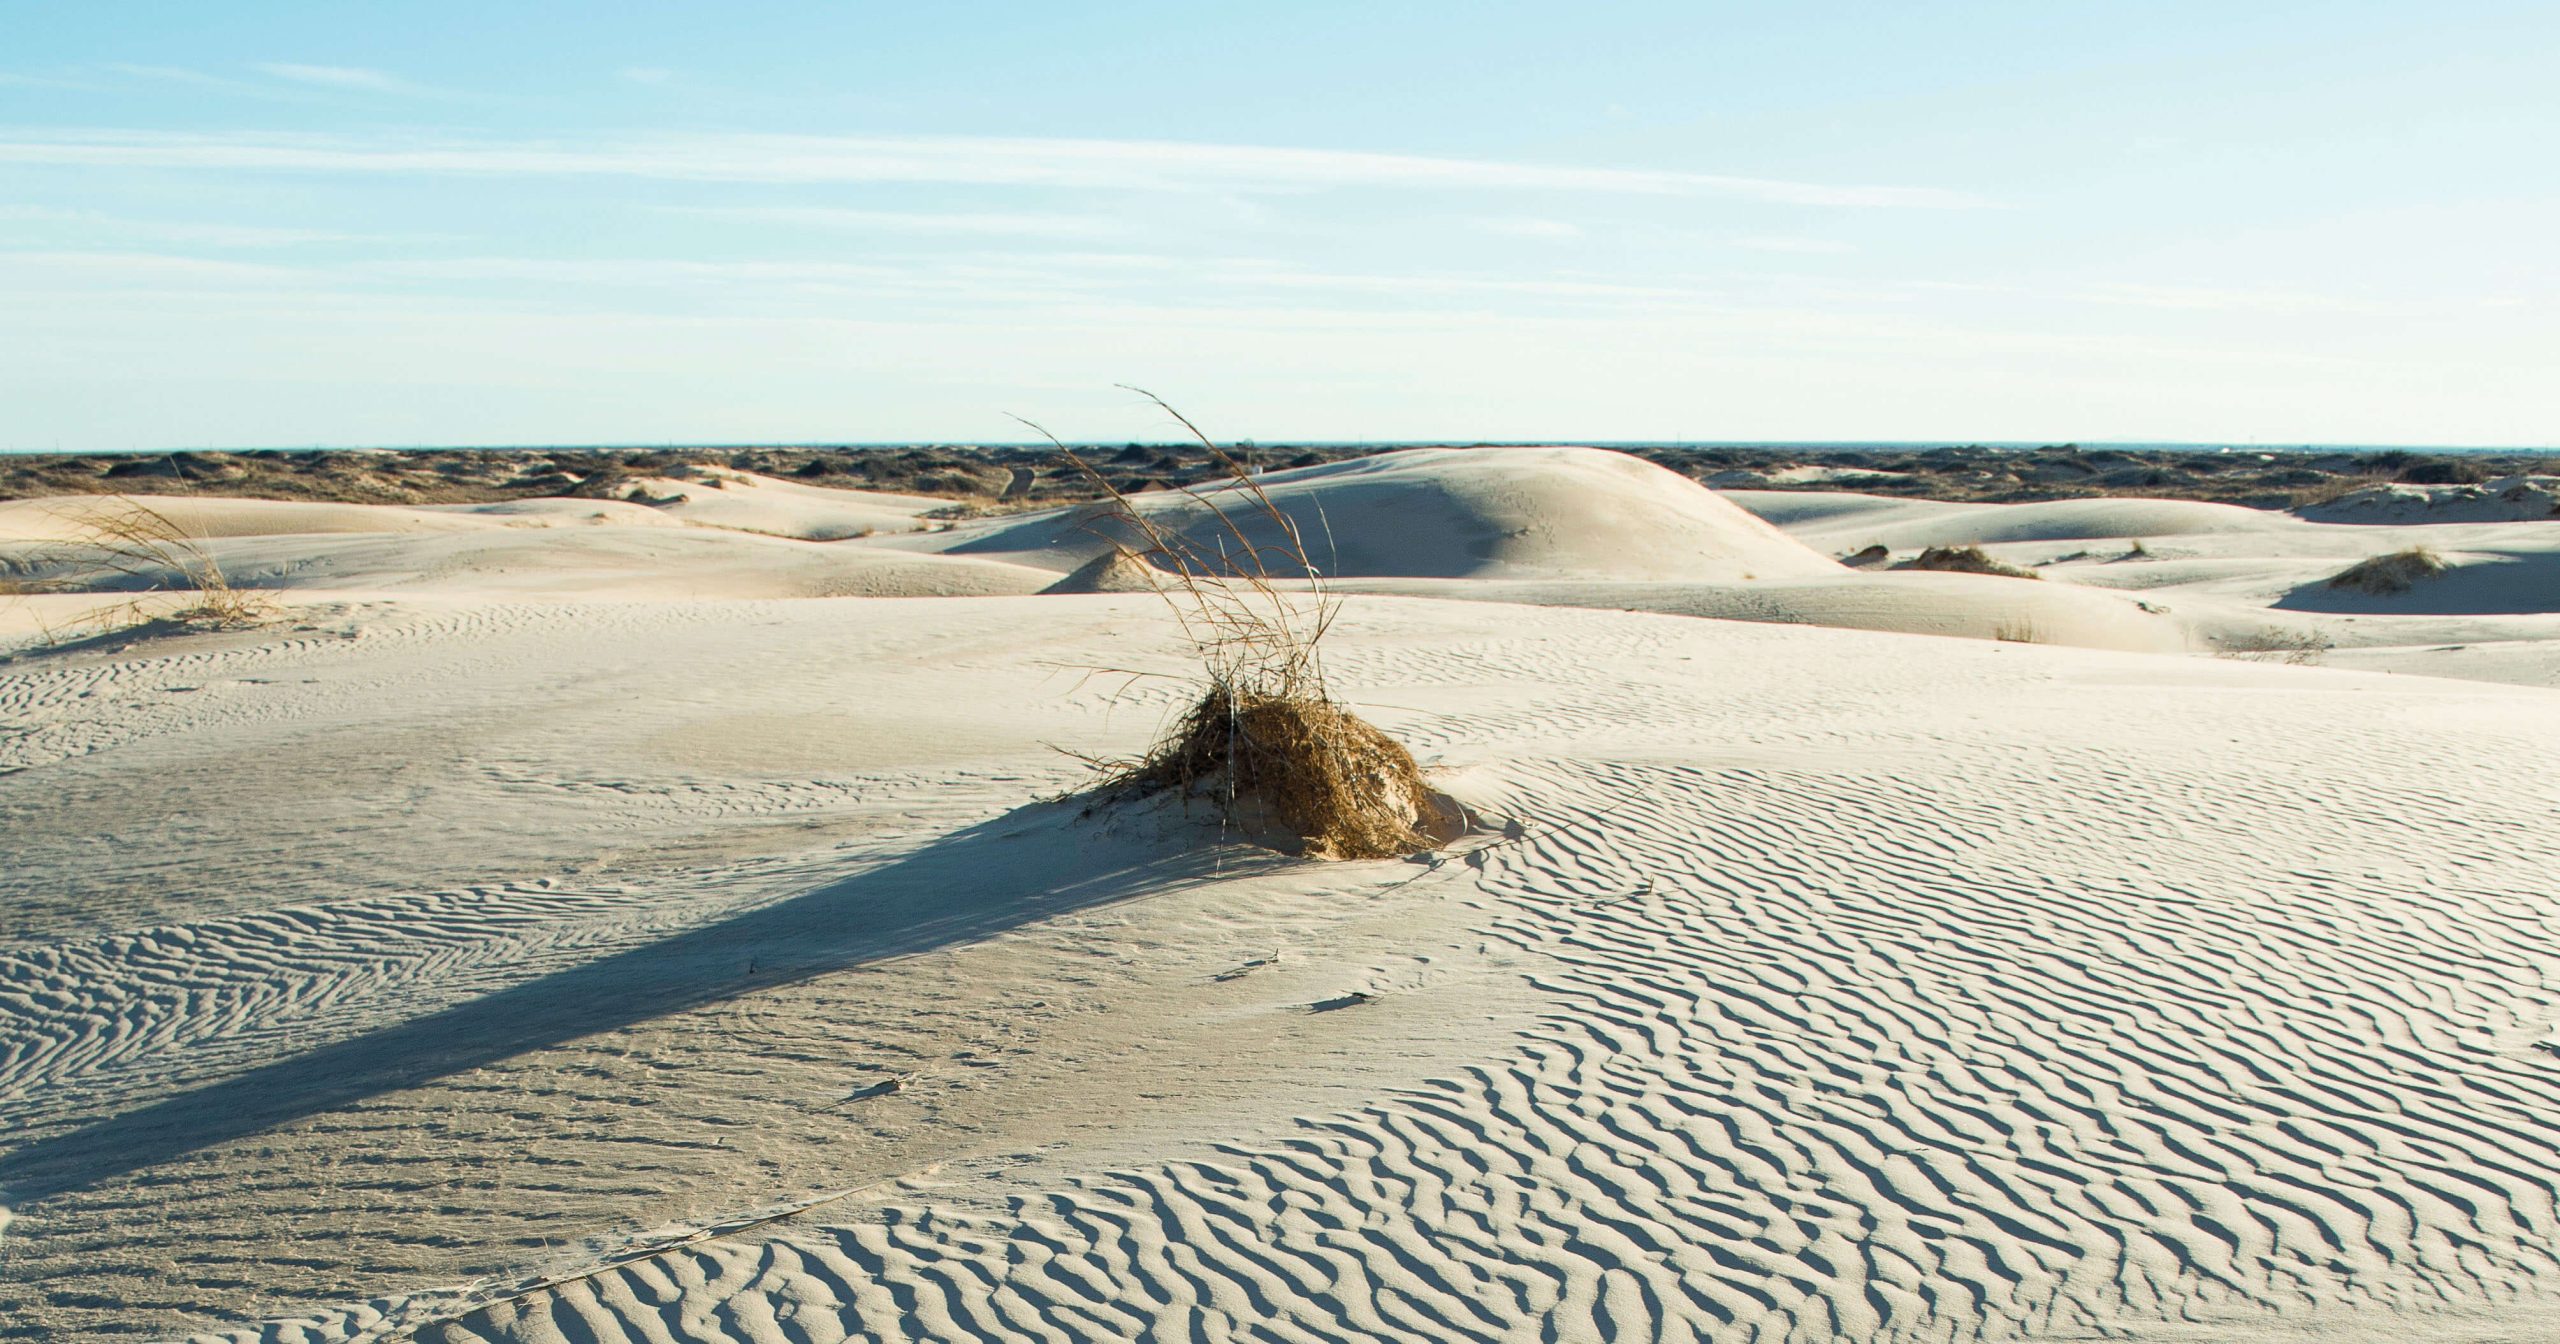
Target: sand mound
[1113,571]
[1911,602]
[2477,585]
[1451,513]
[746,502]
[2514,499]
[1850,522]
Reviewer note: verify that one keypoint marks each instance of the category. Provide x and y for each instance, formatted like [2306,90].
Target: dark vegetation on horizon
[993,478]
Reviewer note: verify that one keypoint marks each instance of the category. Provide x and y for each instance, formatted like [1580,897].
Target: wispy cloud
[351,78]
[181,231]
[17,80]
[1516,226]
[1800,246]
[1128,165]
[2200,298]
[193,79]
[995,224]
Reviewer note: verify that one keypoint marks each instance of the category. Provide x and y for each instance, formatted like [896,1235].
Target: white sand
[468,932]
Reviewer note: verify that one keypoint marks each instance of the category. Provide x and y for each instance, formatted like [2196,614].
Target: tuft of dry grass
[2390,575]
[137,545]
[1968,560]
[1265,743]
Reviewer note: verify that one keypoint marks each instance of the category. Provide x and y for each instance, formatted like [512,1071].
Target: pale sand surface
[466,929]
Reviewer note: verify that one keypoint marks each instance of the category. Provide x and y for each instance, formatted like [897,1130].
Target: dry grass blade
[1265,742]
[145,552]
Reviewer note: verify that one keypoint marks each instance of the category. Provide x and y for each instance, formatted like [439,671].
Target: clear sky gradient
[263,223]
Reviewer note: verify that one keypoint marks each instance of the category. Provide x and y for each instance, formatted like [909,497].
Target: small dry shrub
[1265,743]
[1302,763]
[2390,575]
[1969,560]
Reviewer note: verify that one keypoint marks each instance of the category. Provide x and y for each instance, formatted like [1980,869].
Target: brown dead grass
[1969,560]
[1265,743]
[2294,648]
[2390,575]
[131,543]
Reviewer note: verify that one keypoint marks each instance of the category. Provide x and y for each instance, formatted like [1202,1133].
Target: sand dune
[1450,513]
[2477,584]
[641,562]
[1966,606]
[76,517]
[722,497]
[1800,984]
[2506,500]
[2228,577]
[1851,522]
[572,920]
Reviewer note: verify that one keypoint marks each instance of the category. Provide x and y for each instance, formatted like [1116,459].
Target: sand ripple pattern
[1829,1058]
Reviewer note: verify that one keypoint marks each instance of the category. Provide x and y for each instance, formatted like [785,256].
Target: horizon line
[673,445]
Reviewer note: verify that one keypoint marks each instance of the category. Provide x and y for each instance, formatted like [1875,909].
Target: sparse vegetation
[1042,476]
[1968,560]
[2390,575]
[132,548]
[2297,648]
[2329,491]
[1265,743]
[1875,554]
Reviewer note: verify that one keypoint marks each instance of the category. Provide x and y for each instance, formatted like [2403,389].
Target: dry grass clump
[146,553]
[1265,743]
[2390,575]
[2294,648]
[1302,763]
[1968,560]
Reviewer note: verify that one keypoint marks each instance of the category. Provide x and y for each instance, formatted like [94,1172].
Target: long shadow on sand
[1028,865]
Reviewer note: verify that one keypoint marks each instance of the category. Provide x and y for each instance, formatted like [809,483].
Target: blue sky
[290,224]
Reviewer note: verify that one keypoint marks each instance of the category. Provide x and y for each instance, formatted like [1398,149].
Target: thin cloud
[1524,227]
[193,79]
[352,78]
[1024,225]
[187,231]
[1124,165]
[1801,246]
